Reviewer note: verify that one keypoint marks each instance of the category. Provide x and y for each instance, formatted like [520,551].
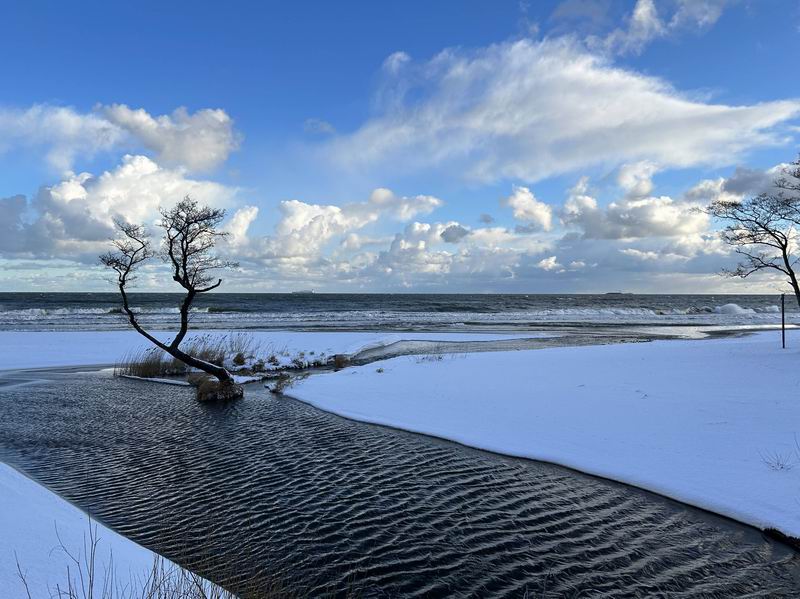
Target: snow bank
[713,423]
[32,520]
[33,349]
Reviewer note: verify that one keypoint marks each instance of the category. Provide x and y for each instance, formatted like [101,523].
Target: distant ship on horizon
[303,292]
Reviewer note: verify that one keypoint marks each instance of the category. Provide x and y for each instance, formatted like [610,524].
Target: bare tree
[763,229]
[190,233]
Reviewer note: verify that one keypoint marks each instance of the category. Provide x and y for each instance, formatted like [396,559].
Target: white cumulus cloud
[239,224]
[631,218]
[197,141]
[76,215]
[528,209]
[637,178]
[62,132]
[549,263]
[304,229]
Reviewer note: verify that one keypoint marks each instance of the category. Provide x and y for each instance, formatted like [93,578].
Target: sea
[396,312]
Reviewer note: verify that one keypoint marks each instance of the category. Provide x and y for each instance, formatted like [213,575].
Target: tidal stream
[270,493]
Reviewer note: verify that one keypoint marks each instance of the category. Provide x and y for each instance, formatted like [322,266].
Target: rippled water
[270,490]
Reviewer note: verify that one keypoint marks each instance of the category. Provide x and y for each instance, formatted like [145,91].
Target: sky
[449,146]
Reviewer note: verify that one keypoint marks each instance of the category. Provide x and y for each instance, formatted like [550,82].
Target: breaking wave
[730,309]
[40,313]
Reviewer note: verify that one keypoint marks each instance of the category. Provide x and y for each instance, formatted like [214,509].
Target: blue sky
[301,116]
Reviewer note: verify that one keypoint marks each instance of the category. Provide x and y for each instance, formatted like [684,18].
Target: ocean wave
[43,312]
[138,310]
[733,309]
[36,313]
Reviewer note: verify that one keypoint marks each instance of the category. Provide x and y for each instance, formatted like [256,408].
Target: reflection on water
[271,489]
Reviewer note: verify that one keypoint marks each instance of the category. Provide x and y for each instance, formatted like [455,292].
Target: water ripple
[273,494]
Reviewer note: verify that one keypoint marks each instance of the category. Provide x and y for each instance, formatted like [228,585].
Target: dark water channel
[271,493]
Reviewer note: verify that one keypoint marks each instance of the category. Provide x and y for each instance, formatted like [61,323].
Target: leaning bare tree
[190,233]
[763,229]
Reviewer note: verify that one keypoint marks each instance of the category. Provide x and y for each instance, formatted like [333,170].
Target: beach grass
[239,352]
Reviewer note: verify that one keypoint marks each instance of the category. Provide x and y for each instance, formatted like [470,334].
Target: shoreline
[362,401]
[76,540]
[790,543]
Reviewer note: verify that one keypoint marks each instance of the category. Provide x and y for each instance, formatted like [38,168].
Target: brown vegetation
[87,579]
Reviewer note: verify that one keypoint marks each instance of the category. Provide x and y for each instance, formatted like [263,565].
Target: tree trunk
[796,290]
[792,276]
[219,372]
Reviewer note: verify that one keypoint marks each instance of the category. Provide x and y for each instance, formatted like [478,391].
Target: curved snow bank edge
[685,432]
[38,526]
[697,502]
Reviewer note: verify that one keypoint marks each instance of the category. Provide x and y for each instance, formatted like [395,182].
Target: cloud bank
[74,218]
[528,110]
[580,244]
[198,141]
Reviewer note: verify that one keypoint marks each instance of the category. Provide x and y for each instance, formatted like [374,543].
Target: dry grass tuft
[281,383]
[238,352]
[149,363]
[86,578]
[152,362]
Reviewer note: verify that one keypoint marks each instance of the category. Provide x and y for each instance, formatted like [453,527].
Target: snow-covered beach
[712,423]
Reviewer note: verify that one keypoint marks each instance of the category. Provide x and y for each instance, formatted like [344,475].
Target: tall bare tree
[190,233]
[763,229]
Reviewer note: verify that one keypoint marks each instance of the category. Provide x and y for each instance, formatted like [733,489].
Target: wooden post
[783,320]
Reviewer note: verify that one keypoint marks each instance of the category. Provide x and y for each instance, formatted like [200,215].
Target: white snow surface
[713,423]
[34,349]
[33,519]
